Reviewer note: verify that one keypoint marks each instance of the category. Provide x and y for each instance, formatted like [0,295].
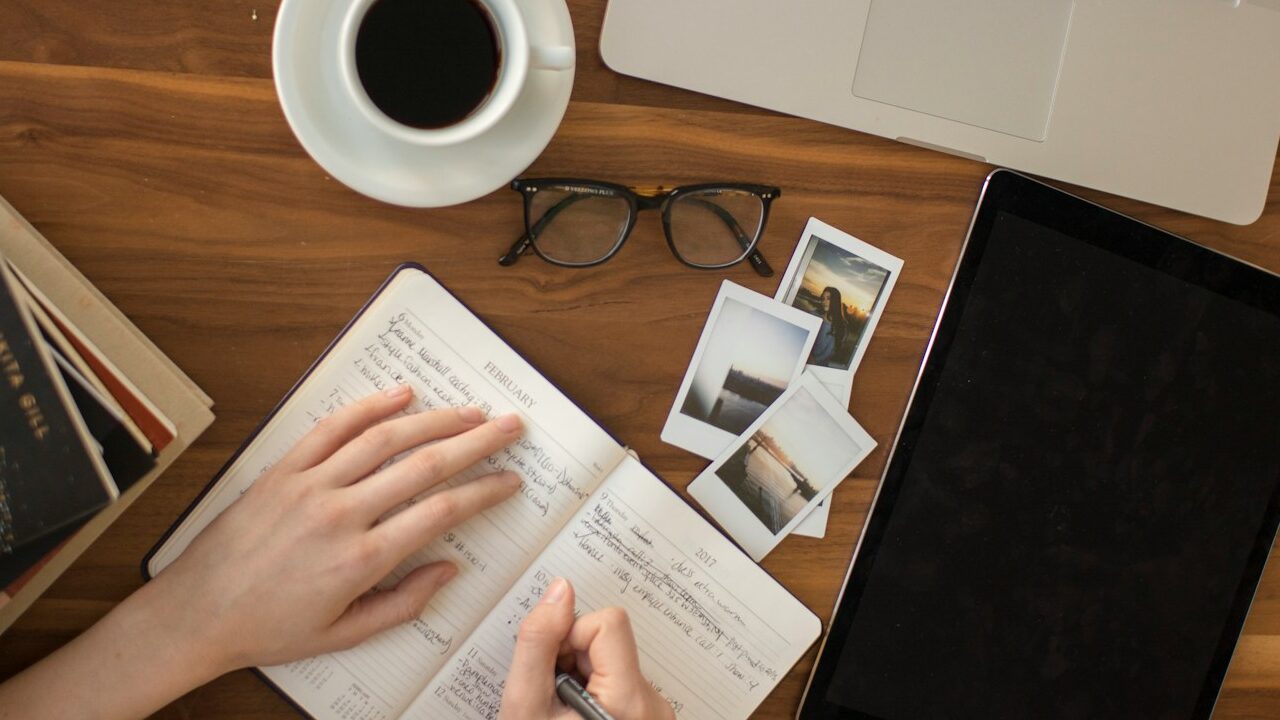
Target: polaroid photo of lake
[789,460]
[846,283]
[751,350]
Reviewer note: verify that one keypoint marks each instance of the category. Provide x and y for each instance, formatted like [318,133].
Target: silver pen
[578,699]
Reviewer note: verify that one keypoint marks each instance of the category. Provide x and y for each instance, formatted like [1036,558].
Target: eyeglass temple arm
[522,243]
[757,260]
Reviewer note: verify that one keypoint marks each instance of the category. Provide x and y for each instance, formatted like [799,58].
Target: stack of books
[90,414]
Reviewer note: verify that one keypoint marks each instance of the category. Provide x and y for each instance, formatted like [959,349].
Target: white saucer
[353,150]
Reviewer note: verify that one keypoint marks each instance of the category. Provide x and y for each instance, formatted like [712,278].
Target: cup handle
[551,57]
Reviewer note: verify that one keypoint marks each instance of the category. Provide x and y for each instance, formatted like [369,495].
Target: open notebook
[716,633]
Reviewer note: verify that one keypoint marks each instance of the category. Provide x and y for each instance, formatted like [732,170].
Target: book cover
[50,472]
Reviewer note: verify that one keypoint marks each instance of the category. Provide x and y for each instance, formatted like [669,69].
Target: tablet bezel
[1015,194]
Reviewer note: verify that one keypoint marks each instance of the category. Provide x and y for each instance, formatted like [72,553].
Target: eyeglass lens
[715,226]
[577,228]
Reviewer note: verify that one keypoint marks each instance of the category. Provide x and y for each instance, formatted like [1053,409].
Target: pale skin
[286,573]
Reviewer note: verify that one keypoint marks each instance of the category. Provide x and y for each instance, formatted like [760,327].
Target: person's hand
[284,572]
[598,646]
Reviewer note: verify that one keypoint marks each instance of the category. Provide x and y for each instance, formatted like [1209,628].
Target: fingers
[530,687]
[371,614]
[339,428]
[605,646]
[377,444]
[418,524]
[429,466]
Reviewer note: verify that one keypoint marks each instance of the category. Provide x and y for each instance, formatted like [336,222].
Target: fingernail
[556,591]
[511,480]
[508,423]
[471,414]
[397,391]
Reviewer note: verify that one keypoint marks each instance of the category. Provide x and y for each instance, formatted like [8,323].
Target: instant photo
[845,283]
[786,463]
[751,350]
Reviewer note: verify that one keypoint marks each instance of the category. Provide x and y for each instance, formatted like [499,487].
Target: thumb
[374,613]
[530,684]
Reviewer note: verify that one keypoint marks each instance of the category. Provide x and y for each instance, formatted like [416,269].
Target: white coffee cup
[517,57]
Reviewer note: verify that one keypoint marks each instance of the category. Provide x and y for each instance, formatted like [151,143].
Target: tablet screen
[1078,511]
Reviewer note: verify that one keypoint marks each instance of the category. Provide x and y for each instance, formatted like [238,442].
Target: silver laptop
[1174,102]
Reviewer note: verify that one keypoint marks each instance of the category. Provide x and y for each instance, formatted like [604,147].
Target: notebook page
[416,332]
[715,632]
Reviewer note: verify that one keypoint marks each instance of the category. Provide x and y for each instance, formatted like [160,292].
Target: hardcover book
[51,469]
[715,632]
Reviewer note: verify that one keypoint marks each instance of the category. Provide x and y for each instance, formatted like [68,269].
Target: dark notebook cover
[17,566]
[48,478]
[126,460]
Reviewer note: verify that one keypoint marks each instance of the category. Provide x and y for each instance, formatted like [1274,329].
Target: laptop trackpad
[993,64]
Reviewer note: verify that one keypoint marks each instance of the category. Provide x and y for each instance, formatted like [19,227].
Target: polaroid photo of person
[751,350]
[787,462]
[846,283]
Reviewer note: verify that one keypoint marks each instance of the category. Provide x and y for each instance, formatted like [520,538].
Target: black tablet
[1085,487]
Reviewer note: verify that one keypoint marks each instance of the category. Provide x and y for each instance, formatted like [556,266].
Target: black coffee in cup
[427,63]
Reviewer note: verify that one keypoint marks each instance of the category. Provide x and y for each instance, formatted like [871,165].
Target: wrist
[163,630]
[144,654]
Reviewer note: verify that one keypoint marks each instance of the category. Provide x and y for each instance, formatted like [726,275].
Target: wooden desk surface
[145,141]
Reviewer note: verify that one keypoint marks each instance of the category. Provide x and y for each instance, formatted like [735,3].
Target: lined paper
[415,332]
[715,632]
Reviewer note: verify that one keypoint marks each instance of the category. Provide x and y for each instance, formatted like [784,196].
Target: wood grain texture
[145,141]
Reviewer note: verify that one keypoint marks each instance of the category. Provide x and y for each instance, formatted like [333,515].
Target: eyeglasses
[580,223]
